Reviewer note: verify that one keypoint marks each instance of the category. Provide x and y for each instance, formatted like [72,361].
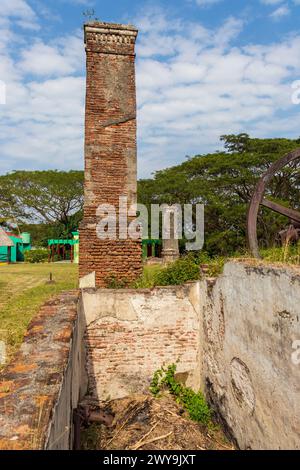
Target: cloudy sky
[204,68]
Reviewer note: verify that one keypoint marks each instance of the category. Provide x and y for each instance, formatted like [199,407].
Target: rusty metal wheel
[258,200]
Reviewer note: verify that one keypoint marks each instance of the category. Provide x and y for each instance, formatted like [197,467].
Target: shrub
[194,403]
[113,282]
[216,266]
[147,279]
[183,270]
[39,255]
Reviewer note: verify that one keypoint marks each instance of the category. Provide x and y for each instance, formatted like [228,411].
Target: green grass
[286,255]
[23,290]
[147,279]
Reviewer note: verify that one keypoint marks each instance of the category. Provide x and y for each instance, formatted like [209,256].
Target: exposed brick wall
[110,148]
[45,381]
[130,334]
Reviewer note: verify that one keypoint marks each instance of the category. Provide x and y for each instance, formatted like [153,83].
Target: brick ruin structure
[110,152]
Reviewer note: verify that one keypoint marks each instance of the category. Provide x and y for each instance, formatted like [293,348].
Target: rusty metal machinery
[85,415]
[259,200]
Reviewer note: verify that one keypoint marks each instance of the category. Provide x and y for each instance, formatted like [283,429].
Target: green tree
[53,198]
[224,182]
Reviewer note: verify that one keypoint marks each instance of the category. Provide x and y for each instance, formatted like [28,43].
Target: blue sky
[204,68]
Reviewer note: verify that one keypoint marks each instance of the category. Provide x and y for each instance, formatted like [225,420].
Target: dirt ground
[142,422]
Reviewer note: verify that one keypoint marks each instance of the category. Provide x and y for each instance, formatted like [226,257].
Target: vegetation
[39,255]
[188,268]
[194,403]
[49,204]
[193,266]
[24,289]
[112,282]
[183,270]
[46,203]
[224,182]
[290,254]
[148,278]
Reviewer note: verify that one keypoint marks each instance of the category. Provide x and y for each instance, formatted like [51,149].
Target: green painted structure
[64,249]
[67,249]
[76,247]
[151,248]
[15,253]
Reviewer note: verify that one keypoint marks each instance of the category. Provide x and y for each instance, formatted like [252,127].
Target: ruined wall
[46,379]
[232,336]
[251,317]
[110,150]
[130,334]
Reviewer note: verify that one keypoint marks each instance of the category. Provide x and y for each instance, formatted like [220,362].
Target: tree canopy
[224,182]
[49,203]
[52,198]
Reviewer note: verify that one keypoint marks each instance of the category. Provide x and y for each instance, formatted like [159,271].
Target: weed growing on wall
[194,403]
[113,282]
[289,254]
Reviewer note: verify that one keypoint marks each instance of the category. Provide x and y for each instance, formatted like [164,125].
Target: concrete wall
[130,334]
[251,317]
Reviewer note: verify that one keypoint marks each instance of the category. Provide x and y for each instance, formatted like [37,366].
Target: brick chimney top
[110,29]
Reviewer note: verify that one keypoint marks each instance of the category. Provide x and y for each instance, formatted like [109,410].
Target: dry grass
[267,262]
[23,290]
[142,422]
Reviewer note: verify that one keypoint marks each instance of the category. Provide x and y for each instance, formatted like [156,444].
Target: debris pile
[142,422]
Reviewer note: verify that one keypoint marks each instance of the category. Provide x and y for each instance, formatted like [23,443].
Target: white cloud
[21,12]
[207,87]
[41,125]
[80,2]
[280,12]
[59,59]
[271,2]
[205,3]
[194,84]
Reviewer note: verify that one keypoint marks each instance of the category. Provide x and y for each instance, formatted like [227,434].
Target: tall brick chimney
[110,151]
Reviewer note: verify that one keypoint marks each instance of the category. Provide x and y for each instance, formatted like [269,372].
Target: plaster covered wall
[251,317]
